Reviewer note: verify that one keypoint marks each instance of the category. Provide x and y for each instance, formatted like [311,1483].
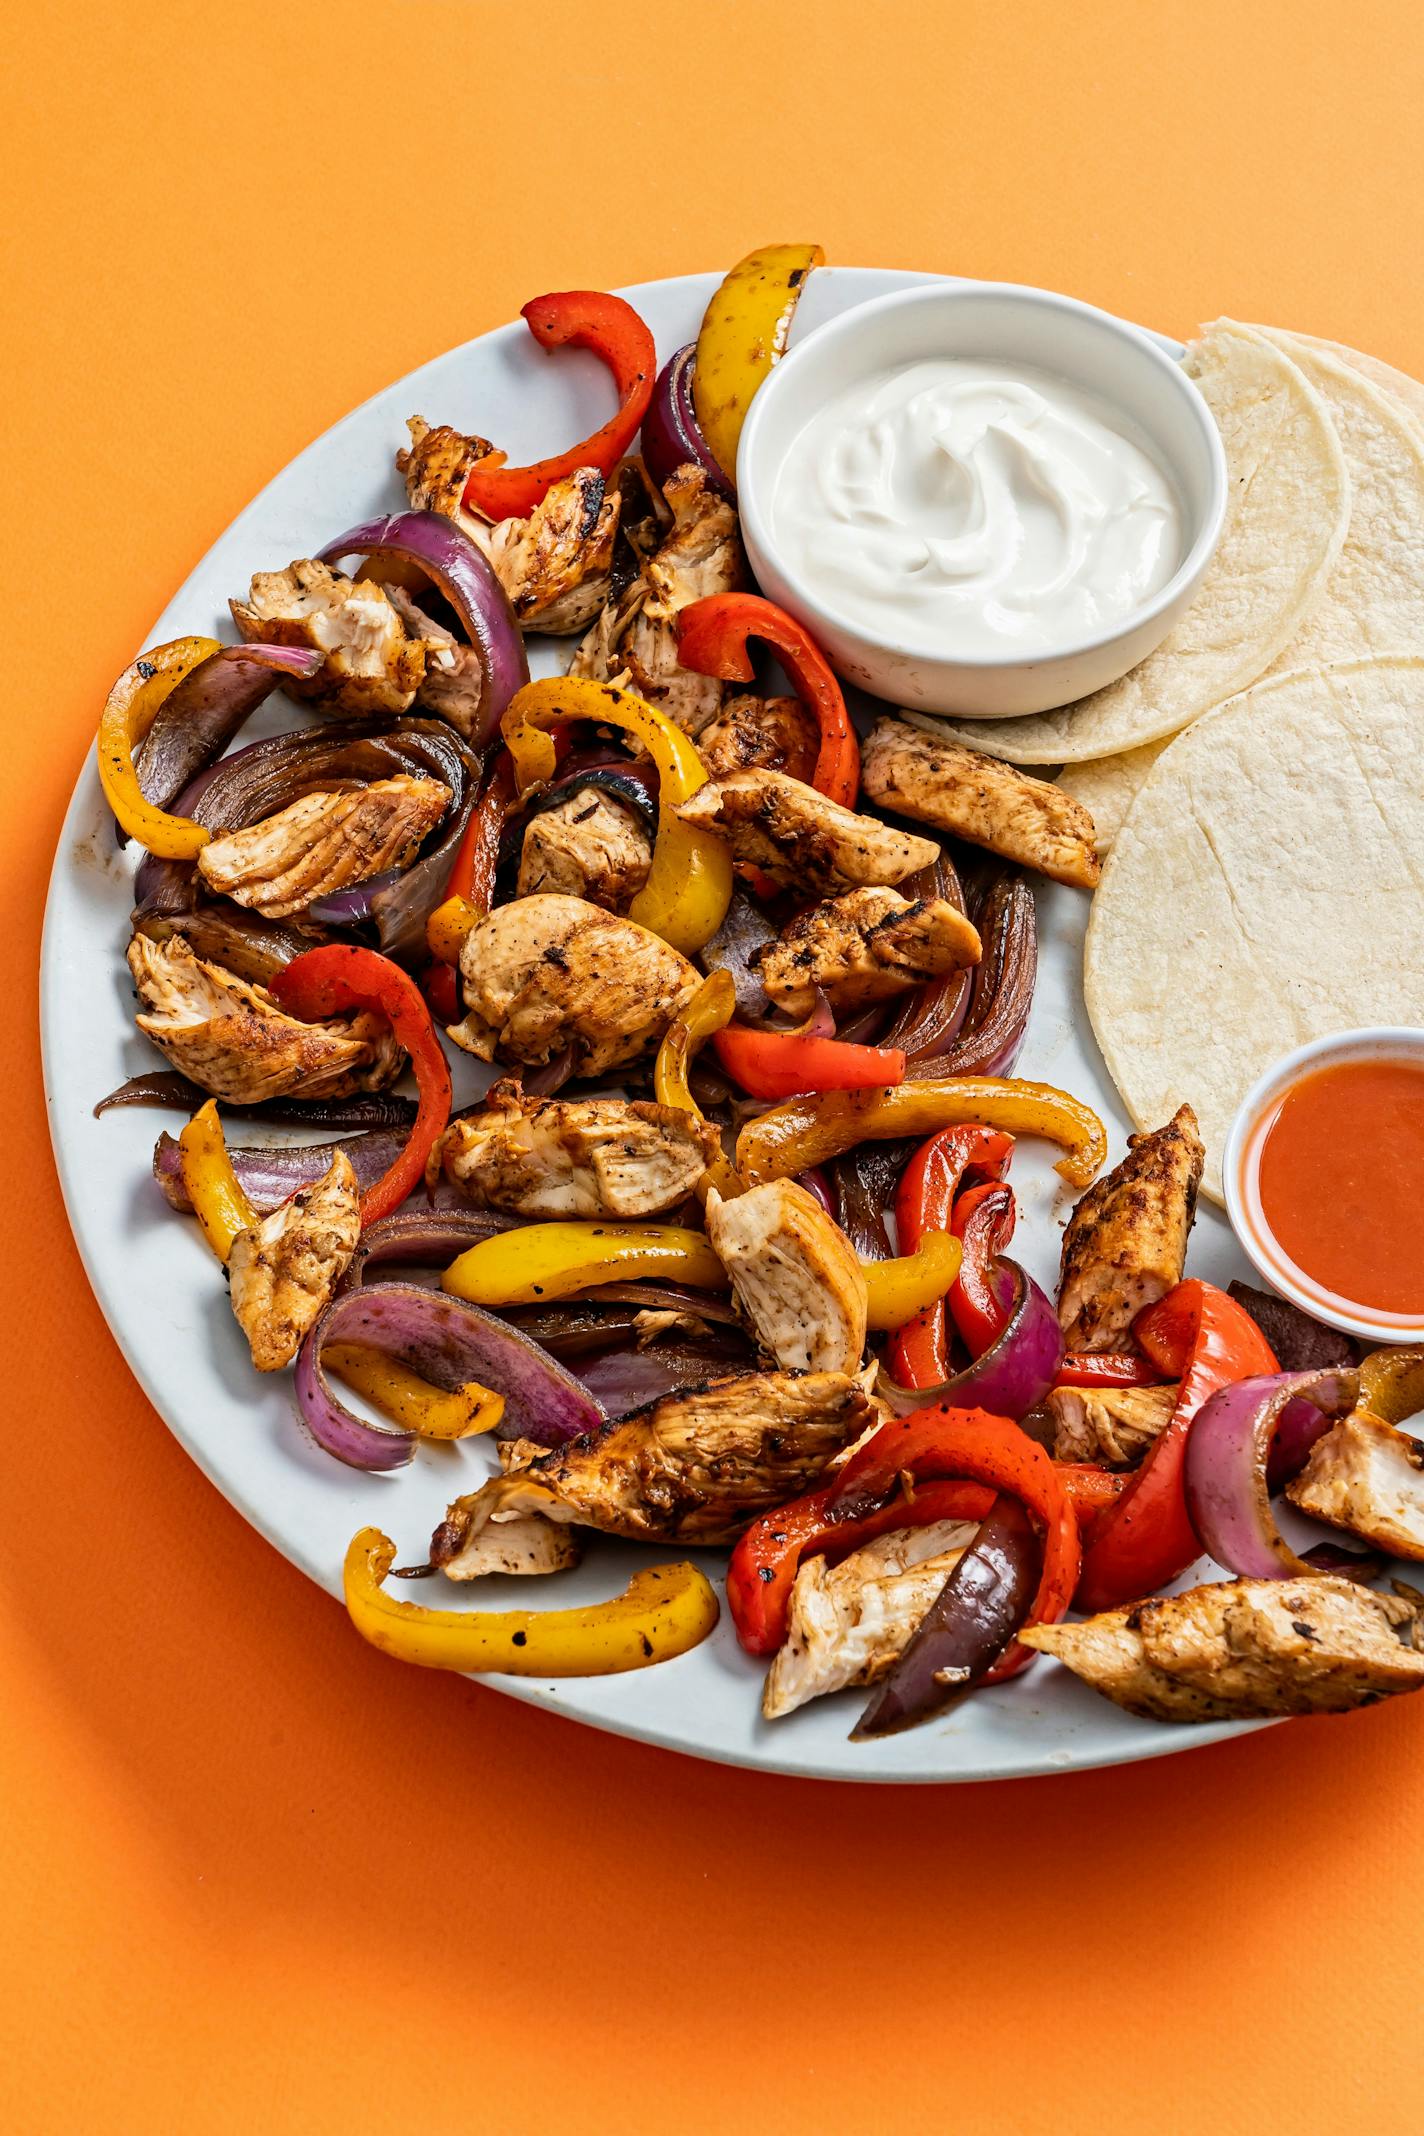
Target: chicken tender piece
[590,845]
[523,1546]
[547,973]
[802,840]
[232,1040]
[1109,1427]
[1247,1649]
[1126,1242]
[636,634]
[761,733]
[864,947]
[552,1157]
[453,685]
[1368,1478]
[795,1275]
[693,1468]
[849,1623]
[372,664]
[323,842]
[915,770]
[284,1269]
[436,466]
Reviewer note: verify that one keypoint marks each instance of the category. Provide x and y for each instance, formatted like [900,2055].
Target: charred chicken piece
[546,973]
[864,947]
[636,634]
[761,734]
[552,1157]
[916,771]
[794,1274]
[1368,1478]
[1126,1241]
[452,687]
[372,664]
[589,845]
[285,1268]
[323,842]
[436,466]
[231,1038]
[523,1545]
[1247,1649]
[693,1468]
[802,840]
[850,1622]
[1109,1427]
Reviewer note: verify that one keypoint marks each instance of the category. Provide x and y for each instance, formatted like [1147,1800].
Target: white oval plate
[156,1281]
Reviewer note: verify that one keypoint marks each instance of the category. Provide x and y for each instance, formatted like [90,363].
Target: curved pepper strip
[663,1611]
[919,1355]
[810,1131]
[983,1222]
[132,707]
[971,1445]
[689,885]
[1207,1340]
[469,892]
[611,329]
[743,334]
[898,1290]
[710,1008]
[339,977]
[537,1261]
[212,1186]
[712,639]
[1107,1368]
[786,1064]
[410,1401]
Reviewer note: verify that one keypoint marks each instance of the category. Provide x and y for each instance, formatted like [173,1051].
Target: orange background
[251,1874]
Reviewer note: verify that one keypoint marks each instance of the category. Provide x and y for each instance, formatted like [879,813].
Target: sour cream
[974,508]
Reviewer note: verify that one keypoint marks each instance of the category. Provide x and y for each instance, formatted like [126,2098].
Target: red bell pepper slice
[972,1445]
[712,639]
[983,1221]
[578,319]
[437,984]
[338,977]
[1199,1333]
[477,855]
[1108,1368]
[784,1064]
[918,1354]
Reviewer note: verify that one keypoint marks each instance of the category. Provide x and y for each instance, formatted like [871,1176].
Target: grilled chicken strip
[917,771]
[285,1268]
[802,840]
[553,1157]
[1365,1476]
[556,565]
[761,734]
[1247,1649]
[1126,1241]
[323,842]
[795,1275]
[372,664]
[1109,1427]
[693,1468]
[452,686]
[522,1544]
[590,845]
[865,947]
[231,1038]
[549,972]
[850,1622]
[636,634]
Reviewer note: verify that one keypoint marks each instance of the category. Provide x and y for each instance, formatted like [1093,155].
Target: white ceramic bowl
[1089,348]
[1241,1179]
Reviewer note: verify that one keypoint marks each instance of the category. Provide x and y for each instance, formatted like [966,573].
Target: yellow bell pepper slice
[132,707]
[899,1289]
[447,927]
[711,1009]
[664,1611]
[812,1130]
[743,334]
[218,1201]
[408,1400]
[560,1260]
[689,885]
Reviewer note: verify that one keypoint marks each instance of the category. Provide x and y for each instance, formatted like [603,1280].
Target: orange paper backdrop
[251,1874]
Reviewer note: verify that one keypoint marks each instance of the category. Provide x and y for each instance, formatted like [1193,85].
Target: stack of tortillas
[1260,777]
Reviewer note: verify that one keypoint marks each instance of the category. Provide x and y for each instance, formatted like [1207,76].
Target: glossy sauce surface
[1342,1181]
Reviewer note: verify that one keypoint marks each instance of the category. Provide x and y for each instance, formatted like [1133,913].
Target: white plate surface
[156,1281]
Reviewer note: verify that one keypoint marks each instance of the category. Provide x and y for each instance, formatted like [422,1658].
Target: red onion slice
[449,1343]
[672,435]
[167,1088]
[1228,1451]
[1014,1373]
[271,1175]
[421,1237]
[198,719]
